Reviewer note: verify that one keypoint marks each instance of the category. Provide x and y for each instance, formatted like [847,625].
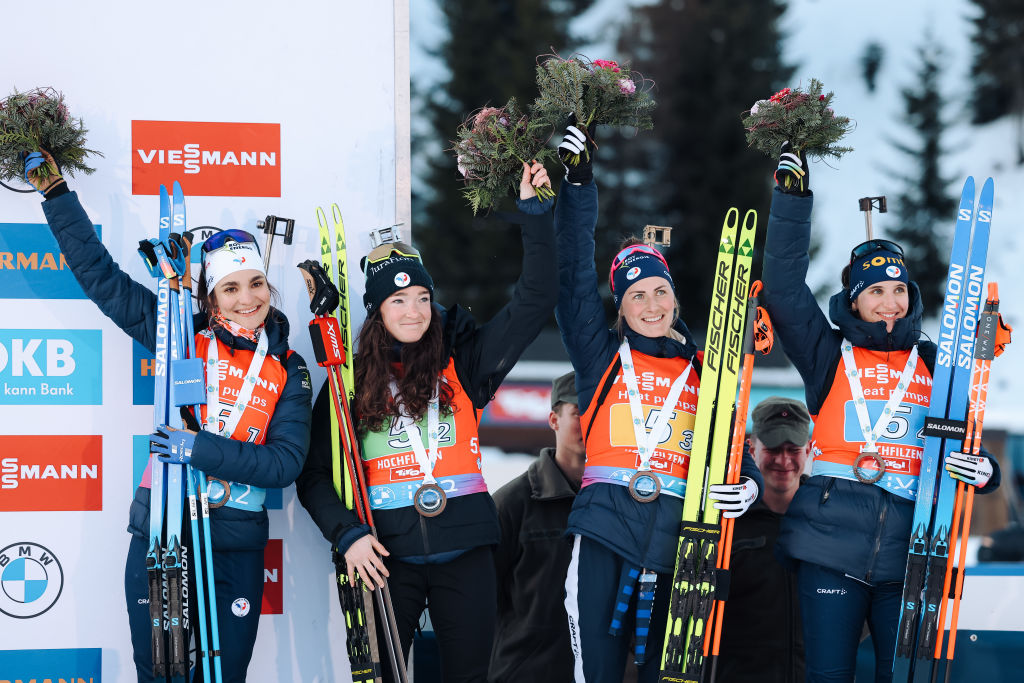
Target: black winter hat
[401,268]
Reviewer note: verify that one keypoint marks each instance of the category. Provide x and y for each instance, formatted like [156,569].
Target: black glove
[793,176]
[576,153]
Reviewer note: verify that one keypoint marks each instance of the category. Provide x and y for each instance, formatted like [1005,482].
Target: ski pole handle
[323,295]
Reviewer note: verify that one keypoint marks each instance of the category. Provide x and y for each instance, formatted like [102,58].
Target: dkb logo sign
[51,367]
[32,579]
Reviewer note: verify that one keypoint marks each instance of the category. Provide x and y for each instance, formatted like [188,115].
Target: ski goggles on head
[224,237]
[383,252]
[630,250]
[871,246]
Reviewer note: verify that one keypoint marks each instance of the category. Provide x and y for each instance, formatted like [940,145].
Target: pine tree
[924,206]
[871,62]
[998,67]
[711,60]
[490,52]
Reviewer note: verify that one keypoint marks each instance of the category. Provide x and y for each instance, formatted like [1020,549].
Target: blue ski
[950,385]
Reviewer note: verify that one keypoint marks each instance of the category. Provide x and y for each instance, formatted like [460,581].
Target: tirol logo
[402,280]
[31,578]
[273,598]
[51,367]
[51,473]
[893,272]
[210,159]
[32,266]
[632,273]
[73,665]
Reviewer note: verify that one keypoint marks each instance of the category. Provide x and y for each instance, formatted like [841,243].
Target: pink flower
[627,86]
[483,115]
[821,98]
[607,64]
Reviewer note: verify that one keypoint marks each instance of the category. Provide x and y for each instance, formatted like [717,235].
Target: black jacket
[484,355]
[532,638]
[762,639]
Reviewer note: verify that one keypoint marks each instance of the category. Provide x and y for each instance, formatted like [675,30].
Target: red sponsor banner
[51,473]
[520,405]
[273,593]
[209,159]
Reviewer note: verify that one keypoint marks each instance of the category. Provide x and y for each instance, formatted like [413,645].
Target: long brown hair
[421,366]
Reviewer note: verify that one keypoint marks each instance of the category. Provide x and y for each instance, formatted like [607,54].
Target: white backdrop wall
[334,76]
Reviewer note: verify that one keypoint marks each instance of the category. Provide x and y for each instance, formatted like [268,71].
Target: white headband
[231,258]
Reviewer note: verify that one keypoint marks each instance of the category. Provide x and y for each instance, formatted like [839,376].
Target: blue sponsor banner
[140,458]
[142,375]
[51,367]
[80,664]
[31,265]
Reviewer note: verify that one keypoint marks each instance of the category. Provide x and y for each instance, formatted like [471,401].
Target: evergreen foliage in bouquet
[806,119]
[37,119]
[597,91]
[492,146]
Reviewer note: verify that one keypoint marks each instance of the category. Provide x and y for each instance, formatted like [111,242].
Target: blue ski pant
[834,608]
[591,591]
[239,585]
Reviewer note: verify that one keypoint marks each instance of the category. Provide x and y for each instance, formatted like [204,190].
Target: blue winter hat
[636,262]
[878,266]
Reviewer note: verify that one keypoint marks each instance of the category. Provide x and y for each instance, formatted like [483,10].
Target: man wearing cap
[761,638]
[531,642]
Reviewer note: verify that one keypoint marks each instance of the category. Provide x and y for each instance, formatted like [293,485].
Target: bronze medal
[218,492]
[869,455]
[644,486]
[430,500]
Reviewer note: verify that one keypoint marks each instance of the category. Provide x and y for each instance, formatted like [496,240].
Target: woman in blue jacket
[265,449]
[848,527]
[625,519]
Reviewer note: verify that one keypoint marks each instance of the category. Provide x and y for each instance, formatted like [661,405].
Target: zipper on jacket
[878,541]
[827,492]
[423,531]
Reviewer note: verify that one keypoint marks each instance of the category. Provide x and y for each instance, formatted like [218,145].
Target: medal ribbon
[646,441]
[213,398]
[426,463]
[870,433]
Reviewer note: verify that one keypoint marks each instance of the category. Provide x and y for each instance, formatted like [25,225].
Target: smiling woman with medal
[254,439]
[637,387]
[868,387]
[423,374]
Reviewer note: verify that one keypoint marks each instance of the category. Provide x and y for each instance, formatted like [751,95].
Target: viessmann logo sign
[46,473]
[209,159]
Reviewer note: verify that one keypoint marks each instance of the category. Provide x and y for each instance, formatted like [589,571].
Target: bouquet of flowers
[490,151]
[597,91]
[806,119]
[40,118]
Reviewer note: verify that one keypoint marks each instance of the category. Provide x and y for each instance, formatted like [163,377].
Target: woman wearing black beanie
[423,374]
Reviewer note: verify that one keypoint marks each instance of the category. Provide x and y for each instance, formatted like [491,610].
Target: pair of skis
[331,336]
[694,604]
[929,570]
[178,390]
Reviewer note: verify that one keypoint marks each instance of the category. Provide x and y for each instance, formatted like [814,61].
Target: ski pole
[758,335]
[330,353]
[993,335]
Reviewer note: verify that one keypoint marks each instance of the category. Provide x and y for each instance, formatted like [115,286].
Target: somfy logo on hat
[893,271]
[402,280]
[632,273]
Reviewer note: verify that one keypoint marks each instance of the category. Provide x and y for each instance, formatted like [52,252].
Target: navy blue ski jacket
[646,534]
[858,529]
[132,307]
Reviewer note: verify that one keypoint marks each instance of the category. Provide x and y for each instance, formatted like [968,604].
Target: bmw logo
[31,579]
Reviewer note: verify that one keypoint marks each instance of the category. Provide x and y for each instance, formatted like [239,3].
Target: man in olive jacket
[531,640]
